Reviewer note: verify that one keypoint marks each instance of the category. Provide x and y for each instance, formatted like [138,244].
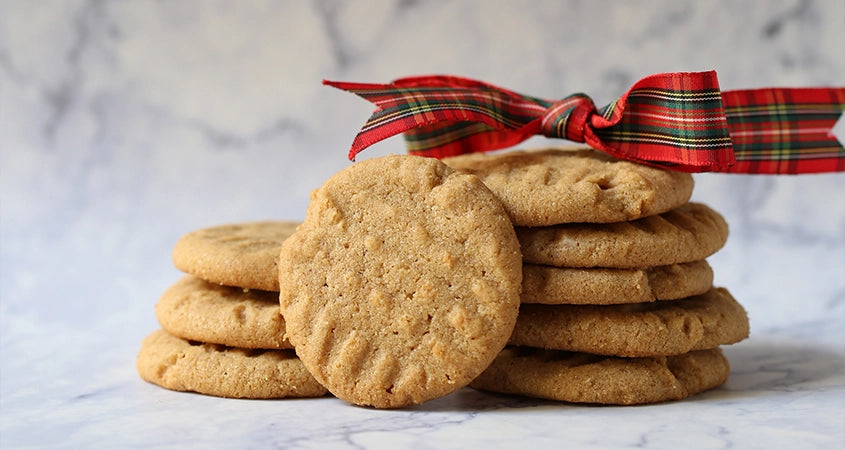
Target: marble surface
[126,124]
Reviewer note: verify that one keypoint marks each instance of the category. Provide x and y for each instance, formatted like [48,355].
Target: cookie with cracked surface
[600,286]
[403,282]
[197,310]
[241,254]
[688,233]
[635,330]
[552,186]
[585,378]
[181,365]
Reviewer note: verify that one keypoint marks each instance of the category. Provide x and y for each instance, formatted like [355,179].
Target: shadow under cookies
[760,367]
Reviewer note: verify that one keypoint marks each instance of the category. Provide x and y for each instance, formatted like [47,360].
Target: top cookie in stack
[602,240]
[244,255]
[549,187]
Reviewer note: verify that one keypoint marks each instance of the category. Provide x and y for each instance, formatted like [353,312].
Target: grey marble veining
[126,124]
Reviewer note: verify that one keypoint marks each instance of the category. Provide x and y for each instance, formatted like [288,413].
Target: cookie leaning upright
[402,284]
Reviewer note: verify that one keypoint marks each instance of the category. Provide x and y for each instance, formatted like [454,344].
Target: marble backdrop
[124,124]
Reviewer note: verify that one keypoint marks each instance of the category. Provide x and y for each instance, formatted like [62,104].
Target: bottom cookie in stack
[226,341]
[182,365]
[619,354]
[586,378]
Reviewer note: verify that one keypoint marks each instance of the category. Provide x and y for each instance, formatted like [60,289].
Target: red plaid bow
[679,121]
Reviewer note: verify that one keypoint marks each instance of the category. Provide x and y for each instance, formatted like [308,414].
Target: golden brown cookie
[688,233]
[599,286]
[635,330]
[547,187]
[243,255]
[585,378]
[181,365]
[403,282]
[197,310]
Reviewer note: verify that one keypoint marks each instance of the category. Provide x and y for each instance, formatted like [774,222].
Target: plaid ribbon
[678,121]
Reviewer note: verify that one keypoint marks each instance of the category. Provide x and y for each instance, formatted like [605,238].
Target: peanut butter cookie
[403,282]
[243,254]
[181,365]
[585,378]
[635,330]
[548,187]
[599,286]
[197,310]
[688,233]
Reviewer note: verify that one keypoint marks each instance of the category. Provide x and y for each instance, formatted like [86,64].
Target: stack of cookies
[221,330]
[558,274]
[617,302]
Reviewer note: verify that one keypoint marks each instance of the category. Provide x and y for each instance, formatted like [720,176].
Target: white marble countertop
[785,391]
[126,124]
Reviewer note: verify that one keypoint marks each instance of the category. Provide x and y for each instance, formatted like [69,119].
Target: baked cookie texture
[243,254]
[690,232]
[585,378]
[601,286]
[407,280]
[403,282]
[182,365]
[197,310]
[642,329]
[554,186]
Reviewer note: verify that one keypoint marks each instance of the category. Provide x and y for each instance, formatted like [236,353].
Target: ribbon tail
[838,130]
[423,108]
[786,130]
[368,135]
